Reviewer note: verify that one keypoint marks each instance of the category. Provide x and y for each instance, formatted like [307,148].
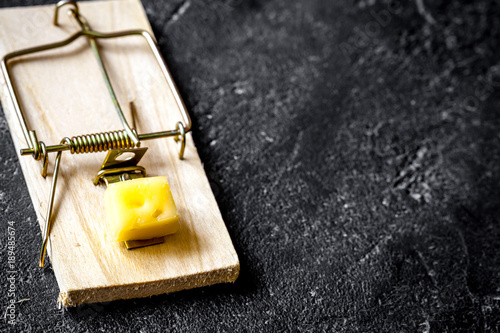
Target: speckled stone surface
[353,148]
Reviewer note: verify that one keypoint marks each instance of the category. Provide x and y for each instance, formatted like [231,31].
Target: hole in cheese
[136,201]
[156,212]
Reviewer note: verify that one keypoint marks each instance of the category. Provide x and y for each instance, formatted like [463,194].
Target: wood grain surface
[63,94]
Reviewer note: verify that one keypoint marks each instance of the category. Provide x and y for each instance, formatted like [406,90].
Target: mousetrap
[95,67]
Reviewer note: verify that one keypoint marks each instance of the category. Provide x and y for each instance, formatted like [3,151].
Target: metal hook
[181,138]
[64,3]
[39,152]
[45,159]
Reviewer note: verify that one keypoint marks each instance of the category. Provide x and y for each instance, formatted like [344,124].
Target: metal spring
[96,142]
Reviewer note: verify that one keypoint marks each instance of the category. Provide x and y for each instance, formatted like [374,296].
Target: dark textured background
[354,153]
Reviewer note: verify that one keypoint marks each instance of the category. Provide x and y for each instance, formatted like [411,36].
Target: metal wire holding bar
[96,142]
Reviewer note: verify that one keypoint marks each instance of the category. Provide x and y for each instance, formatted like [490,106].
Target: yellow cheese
[141,208]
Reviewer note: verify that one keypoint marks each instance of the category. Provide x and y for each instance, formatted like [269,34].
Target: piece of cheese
[141,208]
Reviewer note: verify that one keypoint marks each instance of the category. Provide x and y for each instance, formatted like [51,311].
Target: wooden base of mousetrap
[63,94]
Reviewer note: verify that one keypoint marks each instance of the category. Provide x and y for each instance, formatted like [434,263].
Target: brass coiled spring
[97,142]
